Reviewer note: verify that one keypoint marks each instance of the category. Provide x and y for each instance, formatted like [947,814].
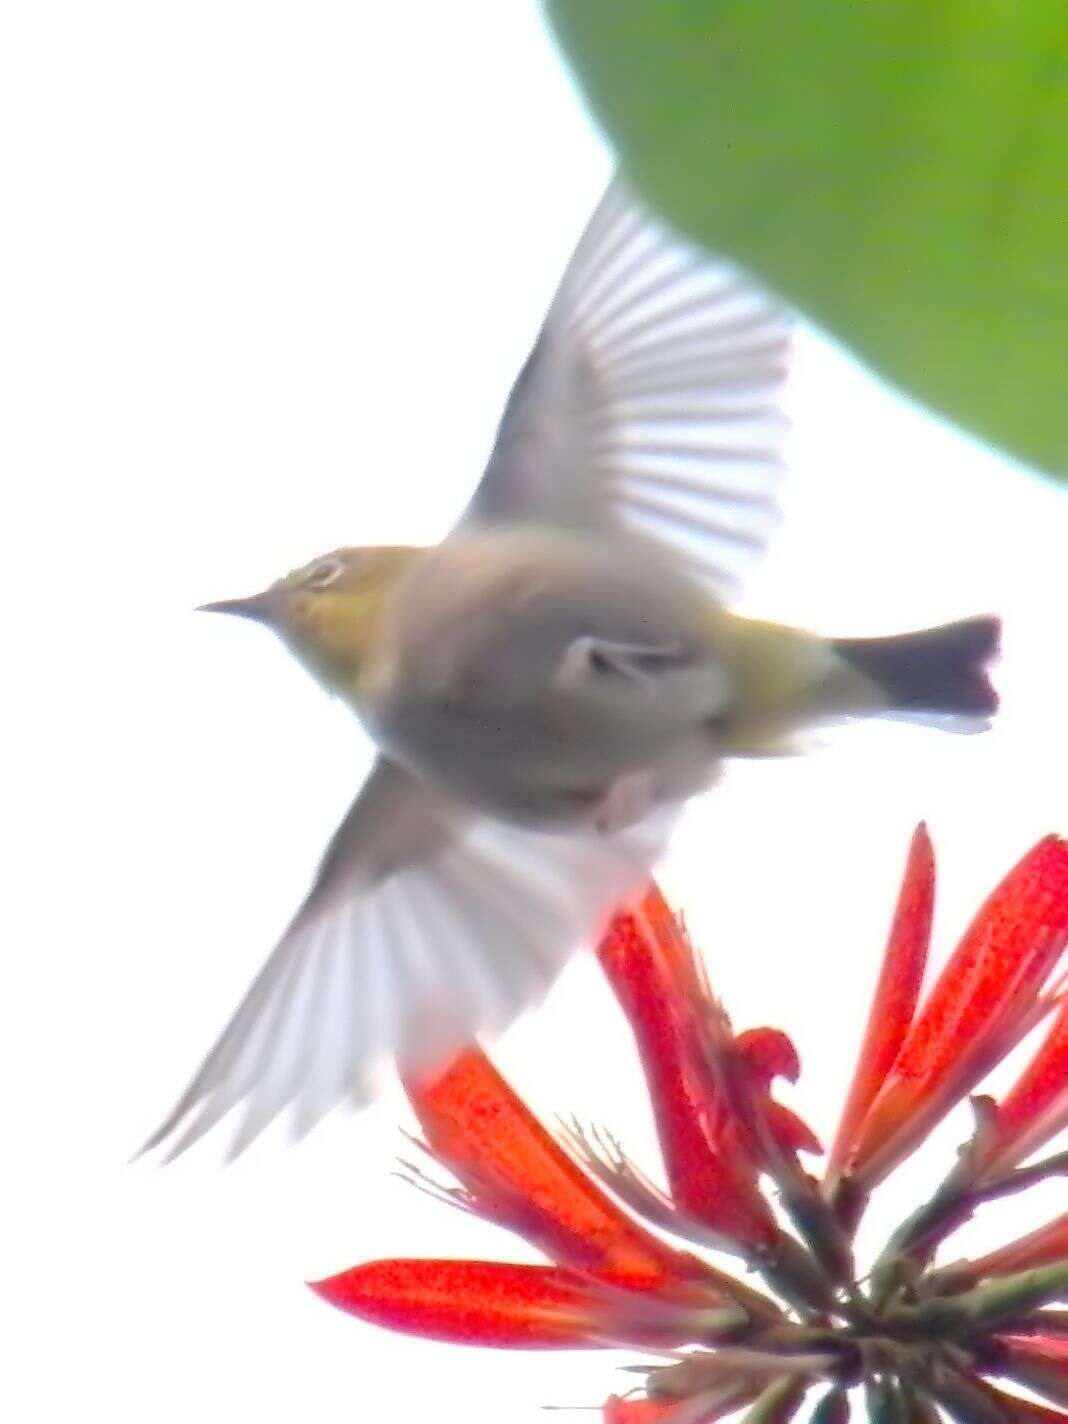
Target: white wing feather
[406,955]
[651,399]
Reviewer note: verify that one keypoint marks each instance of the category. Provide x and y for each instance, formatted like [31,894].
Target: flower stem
[778,1403]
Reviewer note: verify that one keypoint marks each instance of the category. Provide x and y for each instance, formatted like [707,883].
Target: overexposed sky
[266,273]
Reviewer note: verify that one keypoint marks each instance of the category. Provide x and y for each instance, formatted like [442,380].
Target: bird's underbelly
[491,684]
[553,756]
[530,771]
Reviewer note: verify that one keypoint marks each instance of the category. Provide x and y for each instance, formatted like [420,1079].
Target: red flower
[636,1411]
[1043,1247]
[491,1303]
[896,994]
[920,1336]
[986,1000]
[711,1163]
[515,1173]
[1037,1107]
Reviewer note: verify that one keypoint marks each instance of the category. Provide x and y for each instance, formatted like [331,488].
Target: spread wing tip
[448,947]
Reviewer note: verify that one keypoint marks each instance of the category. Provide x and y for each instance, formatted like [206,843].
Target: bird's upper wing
[651,399]
[425,925]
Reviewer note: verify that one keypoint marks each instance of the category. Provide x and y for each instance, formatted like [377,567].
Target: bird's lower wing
[424,928]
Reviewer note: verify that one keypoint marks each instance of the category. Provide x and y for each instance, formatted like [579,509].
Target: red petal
[467,1302]
[977,1010]
[765,1054]
[791,1132]
[1009,949]
[641,956]
[636,1411]
[1037,1107]
[1043,1247]
[1049,1349]
[670,937]
[481,1130]
[769,1053]
[896,993]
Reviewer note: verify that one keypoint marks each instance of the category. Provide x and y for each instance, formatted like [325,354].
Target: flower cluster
[918,1334]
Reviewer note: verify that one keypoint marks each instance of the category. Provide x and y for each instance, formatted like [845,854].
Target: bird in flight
[551,683]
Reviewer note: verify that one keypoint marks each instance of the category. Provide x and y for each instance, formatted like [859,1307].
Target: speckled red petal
[712,1186]
[467,1302]
[896,993]
[1037,1107]
[477,1126]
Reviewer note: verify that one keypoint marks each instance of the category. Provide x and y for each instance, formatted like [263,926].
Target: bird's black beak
[260,607]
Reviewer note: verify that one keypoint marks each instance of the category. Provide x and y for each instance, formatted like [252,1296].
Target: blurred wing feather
[425,927]
[651,400]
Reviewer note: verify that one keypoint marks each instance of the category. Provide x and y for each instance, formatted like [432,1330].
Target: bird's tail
[938,672]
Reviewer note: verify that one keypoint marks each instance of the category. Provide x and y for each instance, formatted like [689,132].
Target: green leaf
[897,170]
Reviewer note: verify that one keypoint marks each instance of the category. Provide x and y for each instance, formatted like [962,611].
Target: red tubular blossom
[648,965]
[1052,1349]
[896,994]
[1036,1109]
[1043,1247]
[637,1411]
[470,1302]
[519,1174]
[985,1001]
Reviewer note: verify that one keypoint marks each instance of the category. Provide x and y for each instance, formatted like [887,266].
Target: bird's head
[328,611]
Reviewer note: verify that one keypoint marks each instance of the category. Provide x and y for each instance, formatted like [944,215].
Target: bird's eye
[325,573]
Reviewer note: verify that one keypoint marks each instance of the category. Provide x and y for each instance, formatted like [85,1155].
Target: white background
[267,271]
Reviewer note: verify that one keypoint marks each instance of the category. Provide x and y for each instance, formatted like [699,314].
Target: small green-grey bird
[550,684]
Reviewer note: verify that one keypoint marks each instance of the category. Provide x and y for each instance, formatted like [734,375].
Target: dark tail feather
[937,671]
